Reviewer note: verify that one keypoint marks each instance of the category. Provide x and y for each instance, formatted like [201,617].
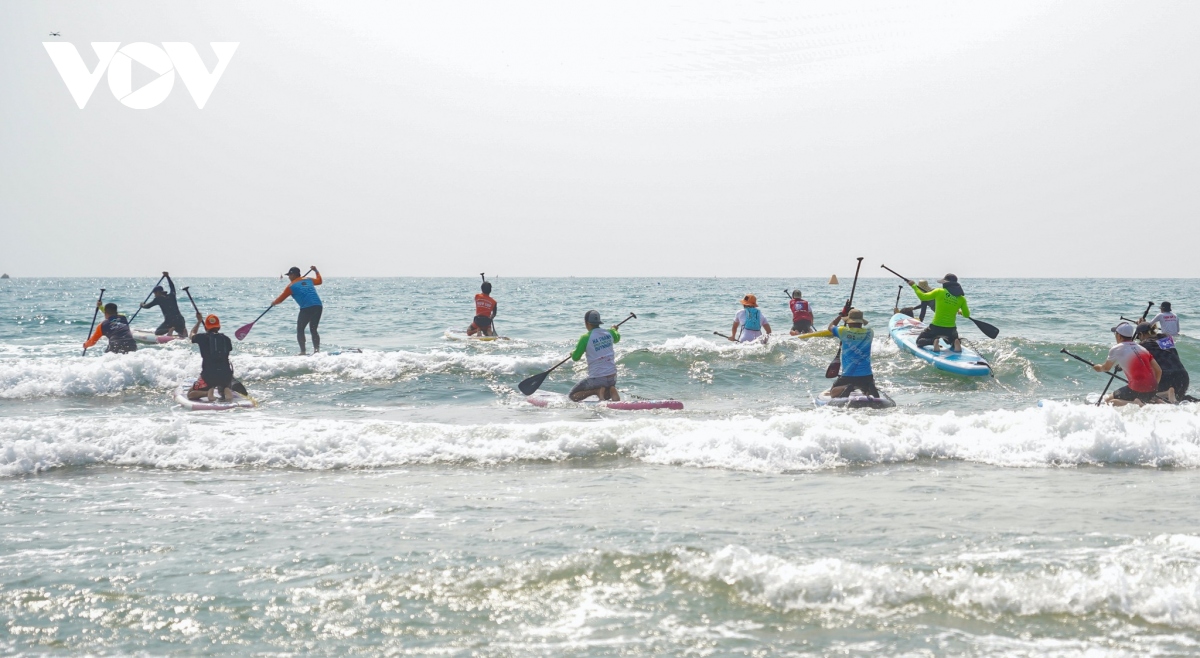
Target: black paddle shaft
[532,384]
[95,313]
[835,366]
[1080,358]
[189,294]
[139,308]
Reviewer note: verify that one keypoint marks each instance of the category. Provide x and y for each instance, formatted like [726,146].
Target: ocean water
[406,500]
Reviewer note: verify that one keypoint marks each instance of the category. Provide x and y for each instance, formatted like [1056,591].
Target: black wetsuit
[1174,375]
[120,340]
[215,369]
[172,318]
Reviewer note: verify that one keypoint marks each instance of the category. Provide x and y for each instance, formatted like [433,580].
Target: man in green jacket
[950,302]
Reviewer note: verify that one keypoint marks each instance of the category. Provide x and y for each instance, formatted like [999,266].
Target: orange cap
[212,322]
[749,300]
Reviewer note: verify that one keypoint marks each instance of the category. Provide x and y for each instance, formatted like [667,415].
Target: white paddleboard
[239,401]
[856,400]
[904,331]
[147,337]
[547,399]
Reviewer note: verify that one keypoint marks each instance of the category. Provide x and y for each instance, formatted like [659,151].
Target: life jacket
[116,329]
[1141,375]
[601,356]
[753,319]
[305,293]
[801,311]
[484,305]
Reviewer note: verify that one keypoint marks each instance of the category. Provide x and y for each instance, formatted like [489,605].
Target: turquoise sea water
[406,500]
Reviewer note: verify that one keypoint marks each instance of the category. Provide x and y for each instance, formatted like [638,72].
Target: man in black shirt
[216,373]
[169,305]
[1175,378]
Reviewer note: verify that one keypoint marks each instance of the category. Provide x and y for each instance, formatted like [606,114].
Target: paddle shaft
[95,313]
[139,308]
[835,367]
[1146,312]
[189,294]
[899,289]
[528,386]
[1080,358]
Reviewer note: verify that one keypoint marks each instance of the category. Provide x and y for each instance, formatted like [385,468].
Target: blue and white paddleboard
[904,332]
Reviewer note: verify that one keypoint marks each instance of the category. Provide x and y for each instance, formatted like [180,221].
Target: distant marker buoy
[4,276]
[833,280]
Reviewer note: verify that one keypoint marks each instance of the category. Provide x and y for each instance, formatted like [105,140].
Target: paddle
[95,313]
[1111,377]
[835,367]
[1110,381]
[722,335]
[495,332]
[1146,312]
[1080,358]
[988,330]
[244,331]
[533,383]
[896,306]
[189,294]
[139,308]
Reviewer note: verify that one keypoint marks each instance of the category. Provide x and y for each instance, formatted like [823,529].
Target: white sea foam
[1054,436]
[1139,580]
[167,368]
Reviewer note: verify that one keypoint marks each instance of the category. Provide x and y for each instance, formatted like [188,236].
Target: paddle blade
[834,369]
[987,329]
[241,334]
[529,386]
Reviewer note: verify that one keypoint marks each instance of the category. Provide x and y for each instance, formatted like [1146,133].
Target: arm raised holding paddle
[950,301]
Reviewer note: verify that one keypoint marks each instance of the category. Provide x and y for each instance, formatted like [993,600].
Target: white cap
[1125,329]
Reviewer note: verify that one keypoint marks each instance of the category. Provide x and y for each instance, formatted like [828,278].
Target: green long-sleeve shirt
[948,306]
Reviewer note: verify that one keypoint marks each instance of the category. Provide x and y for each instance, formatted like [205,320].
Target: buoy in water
[833,280]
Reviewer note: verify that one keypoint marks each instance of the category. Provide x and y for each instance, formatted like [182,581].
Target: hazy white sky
[665,139]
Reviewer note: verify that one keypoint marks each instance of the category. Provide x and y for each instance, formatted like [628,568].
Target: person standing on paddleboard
[216,373]
[751,320]
[116,328]
[1140,368]
[950,301]
[802,314]
[1175,379]
[485,310]
[597,344]
[911,311]
[169,305]
[303,290]
[1167,321]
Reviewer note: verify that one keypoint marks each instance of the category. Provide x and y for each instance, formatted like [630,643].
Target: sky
[1024,139]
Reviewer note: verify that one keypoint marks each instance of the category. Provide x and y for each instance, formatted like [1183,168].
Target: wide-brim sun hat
[750,300]
[924,285]
[949,278]
[855,316]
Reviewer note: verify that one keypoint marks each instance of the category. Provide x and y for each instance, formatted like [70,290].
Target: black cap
[949,278]
[1143,328]
[592,317]
[295,271]
[158,289]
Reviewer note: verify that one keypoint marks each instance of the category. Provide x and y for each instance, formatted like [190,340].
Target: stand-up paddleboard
[904,332]
[856,400]
[547,399]
[239,401]
[462,335]
[148,338]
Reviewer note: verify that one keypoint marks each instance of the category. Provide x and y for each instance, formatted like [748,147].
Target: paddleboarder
[169,305]
[856,372]
[1167,321]
[949,302]
[116,328]
[751,320]
[1175,379]
[303,290]
[216,373]
[802,313]
[911,311]
[597,344]
[1140,368]
[485,311]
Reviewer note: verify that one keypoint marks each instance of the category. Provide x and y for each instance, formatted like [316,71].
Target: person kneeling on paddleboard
[911,311]
[216,373]
[303,291]
[169,305]
[598,344]
[116,328]
[485,310]
[802,315]
[1175,380]
[751,320]
[856,357]
[1140,368]
[950,302]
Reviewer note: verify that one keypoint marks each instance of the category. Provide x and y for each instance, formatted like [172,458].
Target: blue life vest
[305,293]
[753,319]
